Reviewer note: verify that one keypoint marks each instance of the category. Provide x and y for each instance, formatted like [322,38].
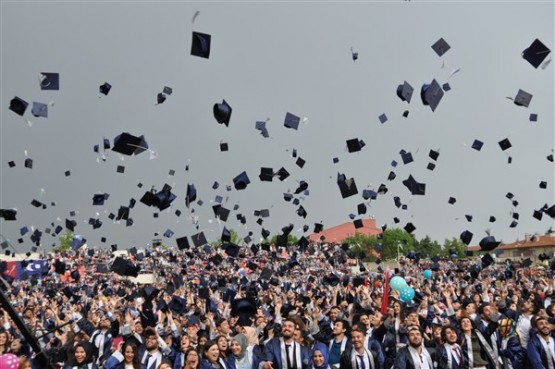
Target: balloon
[428,274]
[407,294]
[397,283]
[9,361]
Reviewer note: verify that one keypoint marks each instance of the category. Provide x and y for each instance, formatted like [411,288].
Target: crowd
[281,308]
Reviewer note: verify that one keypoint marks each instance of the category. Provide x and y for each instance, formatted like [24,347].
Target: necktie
[287,347]
[361,359]
[457,354]
[148,356]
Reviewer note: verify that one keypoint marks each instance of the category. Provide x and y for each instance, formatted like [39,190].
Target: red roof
[340,232]
[537,241]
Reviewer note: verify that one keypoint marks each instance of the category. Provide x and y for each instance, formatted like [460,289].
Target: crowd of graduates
[281,309]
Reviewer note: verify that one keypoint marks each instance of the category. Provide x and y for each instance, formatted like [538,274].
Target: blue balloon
[427,274]
[407,294]
[397,283]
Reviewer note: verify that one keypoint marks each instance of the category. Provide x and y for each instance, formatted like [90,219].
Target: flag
[385,294]
[34,268]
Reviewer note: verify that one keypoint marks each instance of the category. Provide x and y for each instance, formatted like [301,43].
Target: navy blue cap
[127,144]
[415,187]
[477,145]
[441,47]
[405,91]
[536,53]
[105,88]
[431,94]
[222,113]
[200,45]
[241,181]
[522,98]
[49,81]
[291,121]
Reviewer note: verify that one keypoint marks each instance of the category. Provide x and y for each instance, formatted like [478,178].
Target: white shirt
[523,326]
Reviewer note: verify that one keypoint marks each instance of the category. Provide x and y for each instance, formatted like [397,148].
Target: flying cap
[266,174]
[409,227]
[105,88]
[405,91]
[8,214]
[200,45]
[382,118]
[441,47]
[49,81]
[127,144]
[477,145]
[355,145]
[536,53]
[407,157]
[222,112]
[431,94]
[241,181]
[487,260]
[434,155]
[291,121]
[505,144]
[18,105]
[466,237]
[199,239]
[347,187]
[39,110]
[522,98]
[282,174]
[300,162]
[224,146]
[415,187]
[488,243]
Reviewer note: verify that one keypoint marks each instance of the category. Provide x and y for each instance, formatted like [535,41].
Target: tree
[65,241]
[291,239]
[394,240]
[456,245]
[429,248]
[362,243]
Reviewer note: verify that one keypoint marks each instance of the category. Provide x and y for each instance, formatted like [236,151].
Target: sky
[268,59]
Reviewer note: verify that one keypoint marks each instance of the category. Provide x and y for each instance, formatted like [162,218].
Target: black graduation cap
[415,187]
[522,98]
[433,154]
[477,145]
[127,144]
[382,118]
[361,208]
[49,81]
[446,87]
[537,214]
[536,53]
[354,145]
[347,187]
[291,121]
[232,249]
[452,200]
[266,274]
[266,174]
[200,45]
[8,214]
[431,94]
[466,237]
[177,305]
[168,233]
[71,224]
[124,267]
[513,224]
[505,144]
[199,239]
[222,112]
[220,212]
[543,185]
[160,98]
[302,212]
[441,47]
[18,105]
[431,166]
[36,203]
[407,157]
[405,91]
[488,243]
[105,88]
[409,227]
[300,162]
[241,181]
[318,227]
[226,235]
[358,223]
[487,260]
[28,163]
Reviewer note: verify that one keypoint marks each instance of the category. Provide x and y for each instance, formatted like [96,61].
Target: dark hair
[358,328]
[346,325]
[207,345]
[136,360]
[444,331]
[187,352]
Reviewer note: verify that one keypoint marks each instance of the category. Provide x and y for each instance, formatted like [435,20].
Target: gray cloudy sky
[268,59]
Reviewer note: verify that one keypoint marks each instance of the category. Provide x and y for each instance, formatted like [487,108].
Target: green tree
[394,240]
[363,243]
[455,244]
[65,241]
[291,239]
[429,247]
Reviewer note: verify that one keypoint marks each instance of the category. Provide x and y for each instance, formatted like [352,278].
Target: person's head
[151,340]
[131,354]
[527,305]
[485,312]
[415,337]
[211,351]
[222,344]
[105,322]
[83,353]
[506,327]
[449,334]
[357,337]
[436,333]
[288,329]
[340,328]
[376,319]
[466,324]
[25,363]
[239,345]
[542,325]
[223,326]
[139,329]
[192,359]
[470,308]
[334,313]
[203,337]
[320,356]
[184,343]
[3,337]
[165,364]
[365,319]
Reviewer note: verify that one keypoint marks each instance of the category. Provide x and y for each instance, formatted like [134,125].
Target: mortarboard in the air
[431,166]
[232,249]
[516,216]
[39,110]
[302,212]
[226,235]
[446,87]
[182,243]
[361,208]
[18,105]
[303,242]
[167,90]
[265,233]
[128,222]
[452,200]
[28,163]
[49,81]
[220,212]
[409,227]
[282,174]
[224,146]
[415,187]
[477,145]
[405,91]
[191,194]
[466,237]
[105,88]
[216,260]
[369,195]
[515,203]
[543,185]
[120,169]
[407,157]
[199,239]
[318,227]
[441,47]
[347,187]
[67,173]
[168,233]
[406,113]
[533,117]
[487,260]
[536,53]
[124,267]
[241,181]
[300,162]
[200,45]
[382,118]
[123,213]
[513,224]
[431,94]
[95,222]
[509,195]
[127,144]
[492,219]
[505,144]
[353,145]
[397,201]
[291,121]
[160,98]
[358,223]
[522,98]
[354,54]
[433,155]
[218,199]
[489,243]
[36,203]
[222,112]
[266,174]
[11,164]
[98,199]
[468,217]
[537,214]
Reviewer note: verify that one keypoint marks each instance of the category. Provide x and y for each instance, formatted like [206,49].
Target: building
[530,247]
[340,232]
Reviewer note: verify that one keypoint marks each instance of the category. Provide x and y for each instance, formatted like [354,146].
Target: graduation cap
[291,121]
[407,157]
[282,174]
[415,187]
[537,214]
[220,212]
[300,162]
[105,88]
[347,187]
[543,185]
[318,227]
[358,223]
[354,145]
[446,87]
[232,250]
[39,110]
[222,112]
[361,209]
[505,144]
[266,174]
[11,164]
[536,53]
[224,146]
[431,166]
[36,203]
[488,243]
[191,194]
[99,199]
[405,91]
[124,267]
[487,260]
[241,181]
[431,94]
[522,98]
[177,305]
[71,224]
[160,98]
[466,237]
[28,163]
[369,195]
[409,227]
[382,118]
[477,145]
[200,45]
[533,117]
[123,213]
[18,105]
[199,239]
[127,144]
[452,200]
[168,233]
[434,155]
[441,47]
[49,81]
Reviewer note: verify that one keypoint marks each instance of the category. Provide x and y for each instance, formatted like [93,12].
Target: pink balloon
[9,361]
